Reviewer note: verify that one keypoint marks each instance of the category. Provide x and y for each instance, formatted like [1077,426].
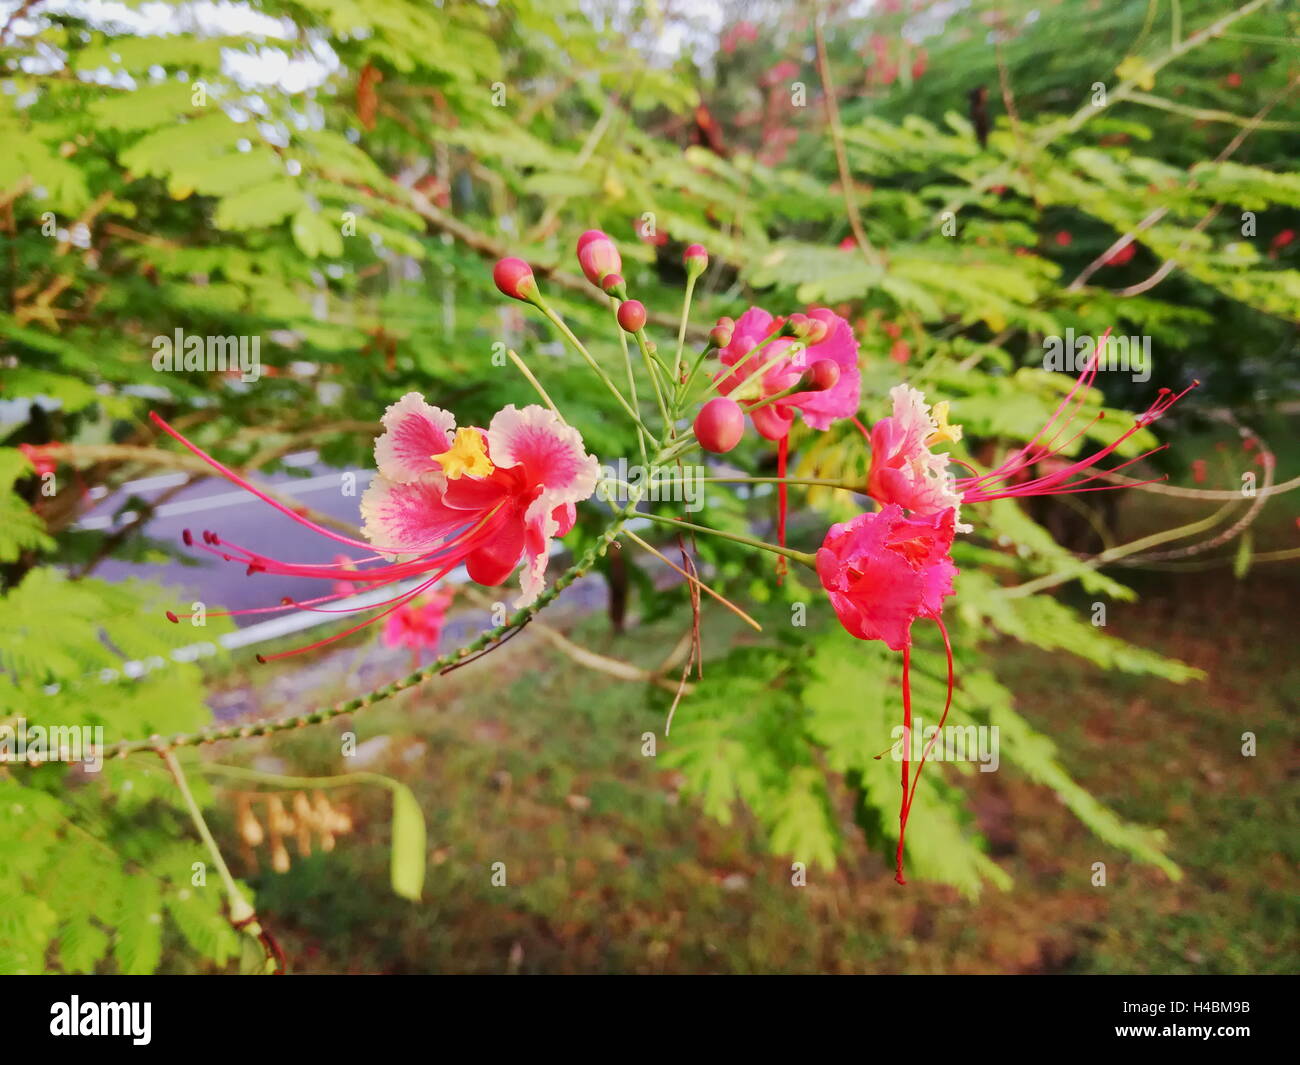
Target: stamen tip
[173,618]
[187,538]
[261,659]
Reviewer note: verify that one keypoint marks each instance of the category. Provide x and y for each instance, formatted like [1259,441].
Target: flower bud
[720,425]
[613,284]
[598,256]
[631,315]
[816,331]
[822,375]
[696,259]
[720,334]
[514,277]
[797,325]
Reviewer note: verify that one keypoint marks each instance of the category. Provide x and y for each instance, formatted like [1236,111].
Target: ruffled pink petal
[548,453]
[415,432]
[401,519]
[882,571]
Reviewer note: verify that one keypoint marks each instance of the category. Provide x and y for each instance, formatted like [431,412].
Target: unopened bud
[613,284]
[720,335]
[696,259]
[822,375]
[720,425]
[514,277]
[631,316]
[598,256]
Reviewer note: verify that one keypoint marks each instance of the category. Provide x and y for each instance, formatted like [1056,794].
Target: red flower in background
[1123,255]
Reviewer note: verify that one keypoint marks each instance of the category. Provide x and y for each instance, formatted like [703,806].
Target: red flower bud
[598,256]
[515,278]
[696,258]
[822,375]
[720,425]
[720,334]
[815,331]
[631,315]
[612,283]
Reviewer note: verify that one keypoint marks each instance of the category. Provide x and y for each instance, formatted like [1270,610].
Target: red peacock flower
[443,497]
[884,570]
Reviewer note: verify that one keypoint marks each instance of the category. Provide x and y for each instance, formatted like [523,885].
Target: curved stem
[748,541]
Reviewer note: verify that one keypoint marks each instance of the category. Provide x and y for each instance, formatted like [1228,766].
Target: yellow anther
[943,431]
[467,455]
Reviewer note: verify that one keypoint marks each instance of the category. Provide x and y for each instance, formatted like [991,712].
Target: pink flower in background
[883,570]
[762,374]
[418,624]
[783,71]
[39,456]
[1119,258]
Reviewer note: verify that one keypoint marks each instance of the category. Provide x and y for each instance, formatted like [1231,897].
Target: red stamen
[907,744]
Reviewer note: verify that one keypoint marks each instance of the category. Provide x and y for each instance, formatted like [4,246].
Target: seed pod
[250,829]
[303,822]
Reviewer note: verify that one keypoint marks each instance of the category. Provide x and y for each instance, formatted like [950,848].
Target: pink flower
[758,375]
[884,570]
[517,483]
[443,497]
[419,624]
[904,470]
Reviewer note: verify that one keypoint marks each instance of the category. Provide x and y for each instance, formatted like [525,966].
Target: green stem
[690,377]
[578,346]
[651,365]
[240,910]
[631,376]
[681,328]
[256,776]
[748,541]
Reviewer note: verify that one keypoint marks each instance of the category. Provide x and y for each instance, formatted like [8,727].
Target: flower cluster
[447,496]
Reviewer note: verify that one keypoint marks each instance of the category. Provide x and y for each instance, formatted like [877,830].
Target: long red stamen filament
[401,601]
[232,476]
[947,646]
[907,743]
